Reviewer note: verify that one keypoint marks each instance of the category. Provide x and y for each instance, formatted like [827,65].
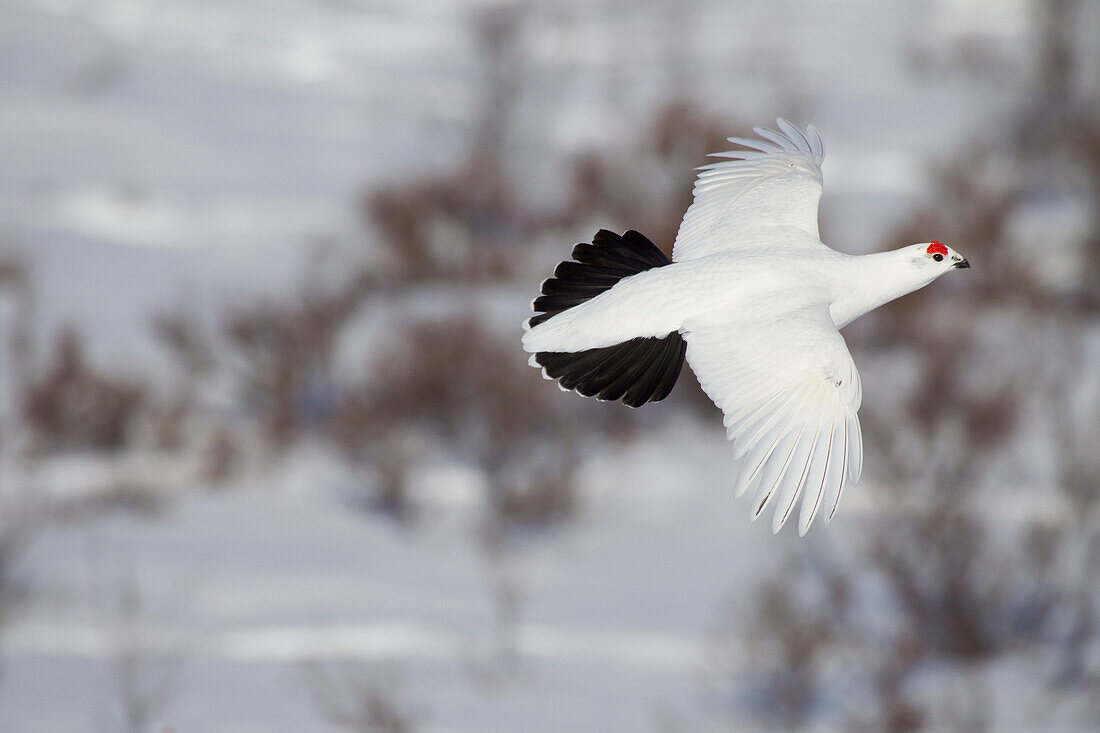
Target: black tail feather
[661,375]
[675,351]
[636,371]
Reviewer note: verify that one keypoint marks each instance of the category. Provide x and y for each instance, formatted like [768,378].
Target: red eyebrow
[937,248]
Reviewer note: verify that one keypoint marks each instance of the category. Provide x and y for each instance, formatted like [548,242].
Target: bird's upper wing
[742,201]
[789,391]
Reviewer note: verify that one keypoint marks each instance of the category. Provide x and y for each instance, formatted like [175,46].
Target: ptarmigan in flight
[754,300]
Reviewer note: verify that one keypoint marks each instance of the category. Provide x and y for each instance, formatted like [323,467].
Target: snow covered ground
[191,151]
[247,586]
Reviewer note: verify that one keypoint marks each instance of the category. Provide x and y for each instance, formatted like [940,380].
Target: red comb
[937,248]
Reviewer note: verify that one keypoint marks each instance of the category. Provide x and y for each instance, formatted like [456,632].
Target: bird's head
[935,258]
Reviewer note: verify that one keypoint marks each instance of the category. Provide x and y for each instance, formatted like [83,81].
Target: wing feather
[783,142]
[815,481]
[774,182]
[855,448]
[795,479]
[838,469]
[779,463]
[794,135]
[789,392]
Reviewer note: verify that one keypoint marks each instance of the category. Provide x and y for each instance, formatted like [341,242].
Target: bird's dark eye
[937,257]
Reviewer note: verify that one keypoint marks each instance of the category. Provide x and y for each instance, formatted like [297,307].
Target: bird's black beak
[961,265]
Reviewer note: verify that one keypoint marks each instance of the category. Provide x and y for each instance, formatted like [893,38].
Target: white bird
[756,300]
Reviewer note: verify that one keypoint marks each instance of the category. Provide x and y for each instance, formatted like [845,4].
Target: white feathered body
[754,283]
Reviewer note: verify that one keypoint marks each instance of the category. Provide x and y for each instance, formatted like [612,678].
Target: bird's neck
[872,280]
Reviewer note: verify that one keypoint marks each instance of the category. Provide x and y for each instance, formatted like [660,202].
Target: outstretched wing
[790,392]
[747,199]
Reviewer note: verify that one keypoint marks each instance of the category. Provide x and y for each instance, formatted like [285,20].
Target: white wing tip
[533,361]
[788,140]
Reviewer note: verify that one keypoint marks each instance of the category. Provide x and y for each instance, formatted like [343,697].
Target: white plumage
[759,300]
[752,193]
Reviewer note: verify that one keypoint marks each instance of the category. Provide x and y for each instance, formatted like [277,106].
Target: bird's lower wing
[789,391]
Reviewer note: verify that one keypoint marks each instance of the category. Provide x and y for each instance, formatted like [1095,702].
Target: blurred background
[271,457]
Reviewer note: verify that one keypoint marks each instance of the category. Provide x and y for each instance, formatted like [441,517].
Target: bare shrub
[283,352]
[374,439]
[893,708]
[477,391]
[770,655]
[14,272]
[466,224]
[145,661]
[793,630]
[182,335]
[543,498]
[359,699]
[501,566]
[182,422]
[956,599]
[72,406]
[222,454]
[472,390]
[21,521]
[453,226]
[15,282]
[961,596]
